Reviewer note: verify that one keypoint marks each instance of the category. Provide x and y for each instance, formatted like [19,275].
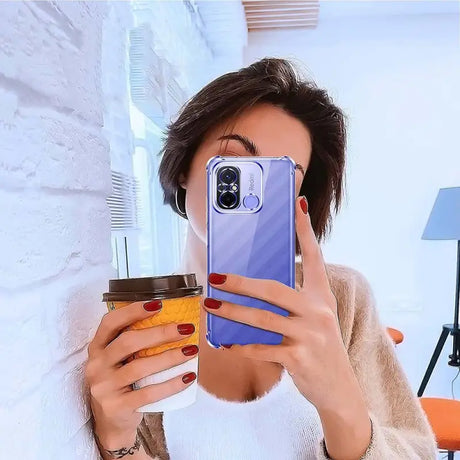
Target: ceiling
[228,22]
[280,14]
[382,8]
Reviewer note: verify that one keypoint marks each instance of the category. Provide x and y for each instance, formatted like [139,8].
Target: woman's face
[272,131]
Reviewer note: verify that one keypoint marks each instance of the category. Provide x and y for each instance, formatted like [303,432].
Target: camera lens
[227,175]
[227,199]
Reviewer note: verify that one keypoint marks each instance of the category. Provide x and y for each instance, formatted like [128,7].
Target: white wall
[55,224]
[64,124]
[398,79]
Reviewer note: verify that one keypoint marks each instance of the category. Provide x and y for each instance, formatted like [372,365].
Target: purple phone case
[256,245]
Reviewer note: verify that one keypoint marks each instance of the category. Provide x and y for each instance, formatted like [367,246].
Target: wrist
[345,398]
[347,430]
[110,440]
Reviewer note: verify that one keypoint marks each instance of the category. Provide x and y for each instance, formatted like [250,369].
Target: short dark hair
[269,80]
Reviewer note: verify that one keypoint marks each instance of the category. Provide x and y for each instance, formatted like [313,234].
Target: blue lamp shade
[444,220]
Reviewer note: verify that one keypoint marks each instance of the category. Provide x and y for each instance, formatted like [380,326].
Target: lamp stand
[447,329]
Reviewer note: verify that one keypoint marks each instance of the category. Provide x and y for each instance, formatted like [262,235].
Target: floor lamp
[444,224]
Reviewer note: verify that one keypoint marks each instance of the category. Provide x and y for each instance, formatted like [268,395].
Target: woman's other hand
[109,378]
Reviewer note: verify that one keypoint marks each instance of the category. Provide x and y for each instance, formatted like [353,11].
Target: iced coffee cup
[180,297]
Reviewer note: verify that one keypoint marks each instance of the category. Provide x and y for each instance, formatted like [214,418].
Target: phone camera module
[228,184]
[228,199]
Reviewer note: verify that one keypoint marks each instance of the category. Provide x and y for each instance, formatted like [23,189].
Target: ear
[182,181]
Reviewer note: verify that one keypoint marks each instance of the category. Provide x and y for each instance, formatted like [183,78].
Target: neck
[194,257]
[194,260]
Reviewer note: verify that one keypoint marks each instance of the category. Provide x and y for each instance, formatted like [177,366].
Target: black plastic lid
[153,287]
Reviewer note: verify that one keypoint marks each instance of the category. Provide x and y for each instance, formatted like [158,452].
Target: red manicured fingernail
[304,204]
[212,303]
[153,305]
[190,377]
[217,278]
[186,329]
[226,346]
[190,350]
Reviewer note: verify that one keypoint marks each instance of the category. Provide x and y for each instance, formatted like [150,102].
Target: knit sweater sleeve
[400,428]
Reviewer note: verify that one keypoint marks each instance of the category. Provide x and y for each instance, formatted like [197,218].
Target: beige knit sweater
[400,428]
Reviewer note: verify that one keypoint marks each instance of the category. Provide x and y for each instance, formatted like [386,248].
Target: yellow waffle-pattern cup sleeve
[178,310]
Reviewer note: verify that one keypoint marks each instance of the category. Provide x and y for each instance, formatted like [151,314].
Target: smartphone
[251,232]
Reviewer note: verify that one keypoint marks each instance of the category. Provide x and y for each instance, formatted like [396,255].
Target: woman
[333,388]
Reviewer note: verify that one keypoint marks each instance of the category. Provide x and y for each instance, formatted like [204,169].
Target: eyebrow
[250,147]
[247,143]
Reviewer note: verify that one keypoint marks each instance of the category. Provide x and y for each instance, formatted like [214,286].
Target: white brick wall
[60,121]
